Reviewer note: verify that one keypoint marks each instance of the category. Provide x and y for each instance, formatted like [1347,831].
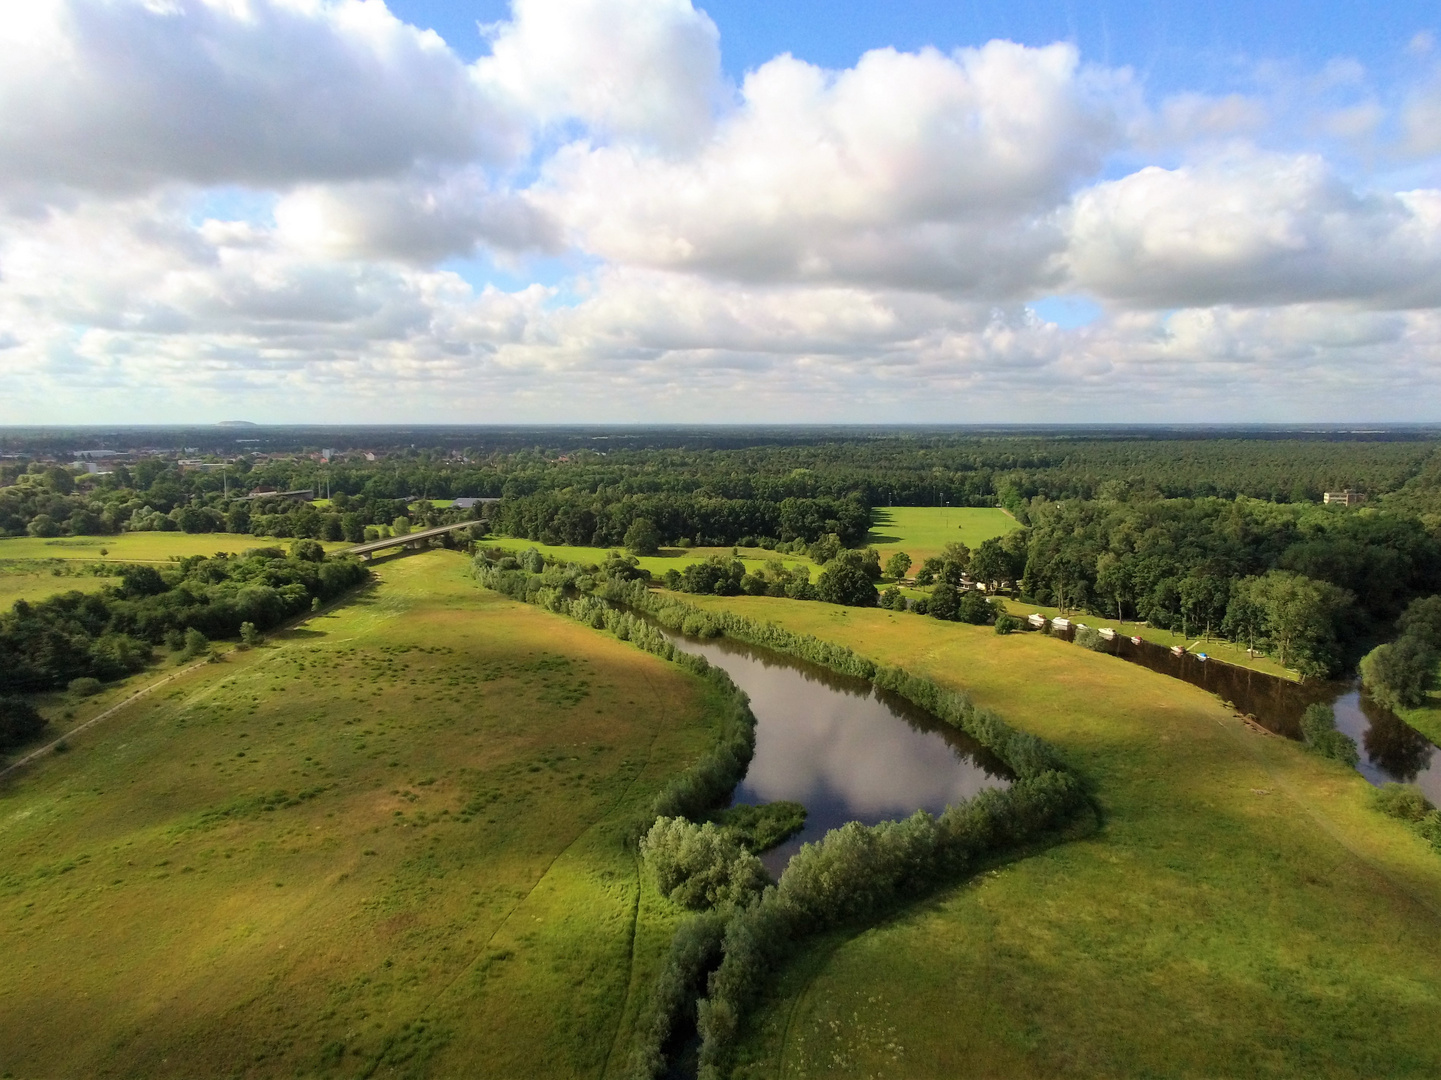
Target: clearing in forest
[921,531]
[1244,911]
[386,843]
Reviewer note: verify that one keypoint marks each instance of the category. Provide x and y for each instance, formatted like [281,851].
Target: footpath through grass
[1244,911]
[387,843]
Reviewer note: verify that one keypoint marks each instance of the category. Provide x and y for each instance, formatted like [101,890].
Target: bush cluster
[701,866]
[48,644]
[1406,803]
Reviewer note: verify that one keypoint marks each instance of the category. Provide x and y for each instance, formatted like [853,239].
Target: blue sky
[1174,45]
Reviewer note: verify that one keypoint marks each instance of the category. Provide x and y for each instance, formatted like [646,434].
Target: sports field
[921,531]
[387,843]
[1244,911]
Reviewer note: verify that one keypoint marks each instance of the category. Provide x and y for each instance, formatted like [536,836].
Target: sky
[339,211]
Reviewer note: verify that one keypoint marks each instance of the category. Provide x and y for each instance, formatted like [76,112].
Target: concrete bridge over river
[416,540]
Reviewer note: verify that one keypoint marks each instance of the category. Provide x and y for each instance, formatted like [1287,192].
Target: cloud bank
[307,209]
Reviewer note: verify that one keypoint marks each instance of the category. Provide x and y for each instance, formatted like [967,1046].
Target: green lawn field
[138,546]
[1244,911]
[31,581]
[668,559]
[921,531]
[387,843]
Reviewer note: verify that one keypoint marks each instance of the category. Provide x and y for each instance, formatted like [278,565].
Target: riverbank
[1245,911]
[1221,649]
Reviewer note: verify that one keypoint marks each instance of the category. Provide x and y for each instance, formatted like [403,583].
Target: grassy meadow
[388,842]
[134,547]
[668,559]
[921,531]
[28,580]
[1244,911]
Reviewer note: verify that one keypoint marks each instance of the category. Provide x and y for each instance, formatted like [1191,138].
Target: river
[1390,749]
[841,748]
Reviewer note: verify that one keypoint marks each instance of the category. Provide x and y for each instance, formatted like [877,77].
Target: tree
[1300,618]
[642,538]
[1245,617]
[897,565]
[945,601]
[59,480]
[973,607]
[845,581]
[19,722]
[1422,620]
[400,526]
[1401,674]
[990,564]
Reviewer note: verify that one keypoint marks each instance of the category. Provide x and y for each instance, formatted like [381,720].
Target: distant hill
[235,423]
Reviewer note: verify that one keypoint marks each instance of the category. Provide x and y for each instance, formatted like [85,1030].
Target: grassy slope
[138,547]
[1245,911]
[157,921]
[921,531]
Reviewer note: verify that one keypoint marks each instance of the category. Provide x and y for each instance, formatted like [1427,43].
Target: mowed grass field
[388,843]
[1244,911]
[921,531]
[31,581]
[139,546]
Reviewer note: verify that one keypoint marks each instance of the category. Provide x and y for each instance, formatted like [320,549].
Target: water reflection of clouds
[844,755]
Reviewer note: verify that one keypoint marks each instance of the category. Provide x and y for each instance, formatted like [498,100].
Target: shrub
[1401,801]
[701,866]
[19,722]
[249,636]
[761,828]
[1007,624]
[84,687]
[1089,638]
[973,607]
[196,644]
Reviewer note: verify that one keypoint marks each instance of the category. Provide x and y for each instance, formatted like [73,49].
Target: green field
[29,581]
[1244,910]
[668,559]
[921,531]
[138,546]
[387,843]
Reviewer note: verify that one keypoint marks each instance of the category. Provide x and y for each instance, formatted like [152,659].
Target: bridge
[415,539]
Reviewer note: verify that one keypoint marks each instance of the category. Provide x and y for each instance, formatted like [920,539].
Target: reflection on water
[1390,749]
[844,750]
